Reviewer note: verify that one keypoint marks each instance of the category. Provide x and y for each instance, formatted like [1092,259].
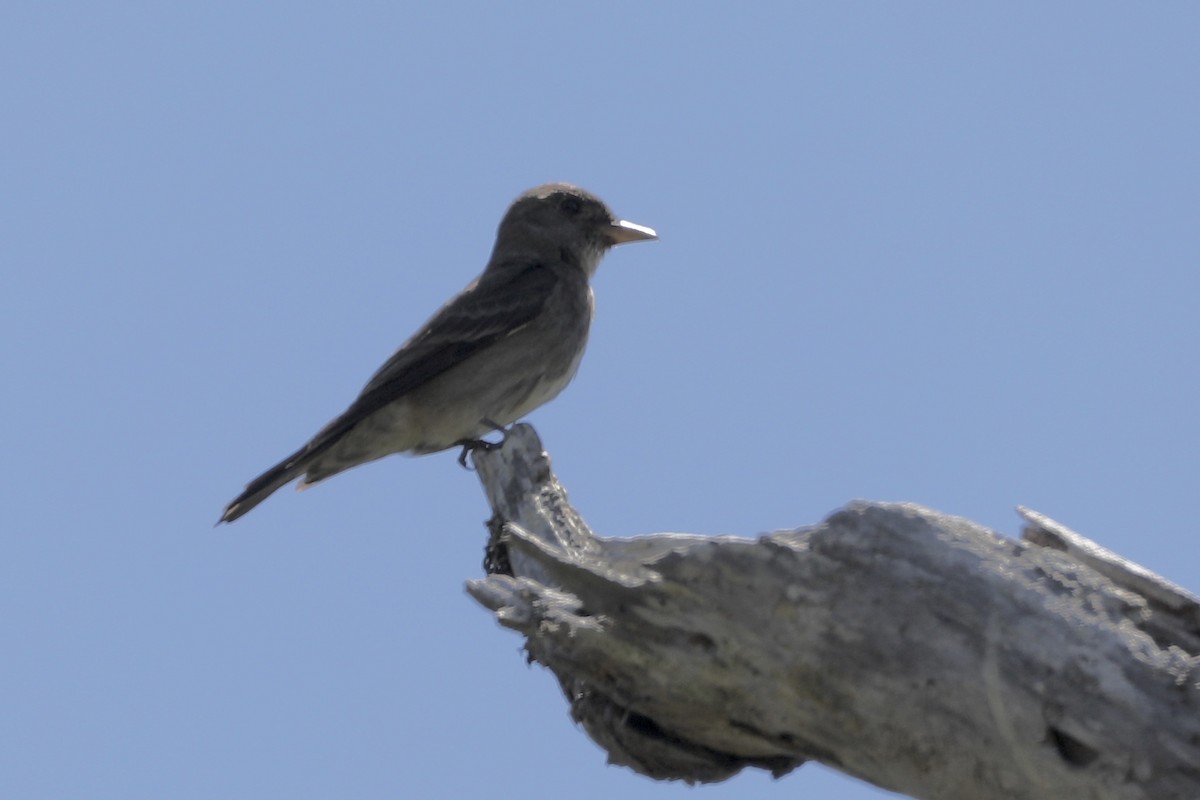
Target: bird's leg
[469,445]
[498,428]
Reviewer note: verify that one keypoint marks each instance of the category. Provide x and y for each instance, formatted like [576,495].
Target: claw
[470,445]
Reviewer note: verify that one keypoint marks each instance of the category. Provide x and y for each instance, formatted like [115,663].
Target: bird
[509,342]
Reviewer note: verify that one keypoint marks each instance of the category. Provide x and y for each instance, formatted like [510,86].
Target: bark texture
[917,651]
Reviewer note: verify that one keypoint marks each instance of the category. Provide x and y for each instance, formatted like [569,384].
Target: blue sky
[943,253]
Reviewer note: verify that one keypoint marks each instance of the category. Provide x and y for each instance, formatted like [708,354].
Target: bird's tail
[265,485]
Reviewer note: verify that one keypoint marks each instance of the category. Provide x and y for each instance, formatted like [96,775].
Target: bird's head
[569,218]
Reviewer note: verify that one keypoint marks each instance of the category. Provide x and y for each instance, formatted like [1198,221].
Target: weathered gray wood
[920,652]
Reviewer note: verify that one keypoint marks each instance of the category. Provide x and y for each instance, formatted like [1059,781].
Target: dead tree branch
[920,652]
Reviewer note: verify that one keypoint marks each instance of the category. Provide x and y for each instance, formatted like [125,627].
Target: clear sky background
[941,253]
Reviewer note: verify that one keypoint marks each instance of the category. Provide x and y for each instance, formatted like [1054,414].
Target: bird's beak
[621,231]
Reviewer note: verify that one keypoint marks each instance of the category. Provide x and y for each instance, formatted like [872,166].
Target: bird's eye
[571,206]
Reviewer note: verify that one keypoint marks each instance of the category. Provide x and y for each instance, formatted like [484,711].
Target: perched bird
[509,342]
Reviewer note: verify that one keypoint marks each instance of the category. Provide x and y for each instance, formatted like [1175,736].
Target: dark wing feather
[505,298]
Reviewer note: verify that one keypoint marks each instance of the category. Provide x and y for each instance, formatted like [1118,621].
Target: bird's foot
[470,445]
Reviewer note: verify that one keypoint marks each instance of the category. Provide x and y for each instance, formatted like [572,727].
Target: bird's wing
[500,302]
[503,300]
